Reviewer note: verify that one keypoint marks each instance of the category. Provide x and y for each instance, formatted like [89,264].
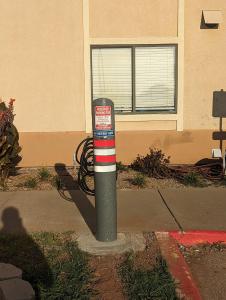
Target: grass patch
[52,263]
[31,183]
[193,179]
[139,180]
[140,284]
[44,174]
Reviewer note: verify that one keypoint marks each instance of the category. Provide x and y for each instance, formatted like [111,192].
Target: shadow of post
[17,247]
[69,186]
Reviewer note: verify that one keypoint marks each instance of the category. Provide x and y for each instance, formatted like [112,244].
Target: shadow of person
[69,190]
[18,248]
[12,223]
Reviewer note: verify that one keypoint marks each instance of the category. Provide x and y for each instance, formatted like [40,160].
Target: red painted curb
[178,266]
[194,237]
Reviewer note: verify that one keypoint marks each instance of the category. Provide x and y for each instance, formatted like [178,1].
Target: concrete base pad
[124,243]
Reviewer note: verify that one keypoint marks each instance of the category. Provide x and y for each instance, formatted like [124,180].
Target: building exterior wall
[205,58]
[45,65]
[187,146]
[41,65]
[133,18]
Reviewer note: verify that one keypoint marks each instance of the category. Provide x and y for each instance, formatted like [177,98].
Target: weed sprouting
[192,179]
[31,183]
[44,174]
[139,180]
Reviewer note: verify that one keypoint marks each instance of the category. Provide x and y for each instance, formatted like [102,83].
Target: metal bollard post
[104,169]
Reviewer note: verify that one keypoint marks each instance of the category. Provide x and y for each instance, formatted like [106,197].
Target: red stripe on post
[105,159]
[104,143]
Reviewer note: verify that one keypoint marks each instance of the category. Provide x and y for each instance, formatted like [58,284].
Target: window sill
[146,117]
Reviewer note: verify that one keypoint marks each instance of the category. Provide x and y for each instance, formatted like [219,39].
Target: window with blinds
[136,78]
[111,76]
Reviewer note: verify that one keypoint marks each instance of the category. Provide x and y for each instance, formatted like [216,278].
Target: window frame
[133,76]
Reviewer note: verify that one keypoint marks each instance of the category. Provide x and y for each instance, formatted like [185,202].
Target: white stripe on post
[105,169]
[104,151]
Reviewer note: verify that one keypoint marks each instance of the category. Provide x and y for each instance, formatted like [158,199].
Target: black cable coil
[86,166]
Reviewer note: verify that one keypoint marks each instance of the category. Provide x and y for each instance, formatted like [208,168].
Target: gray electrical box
[219,104]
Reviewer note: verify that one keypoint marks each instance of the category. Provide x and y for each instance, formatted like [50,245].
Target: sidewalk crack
[170,211]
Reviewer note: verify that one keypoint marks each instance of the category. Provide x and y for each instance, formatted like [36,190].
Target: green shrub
[153,164]
[139,180]
[121,167]
[140,284]
[44,174]
[192,179]
[31,183]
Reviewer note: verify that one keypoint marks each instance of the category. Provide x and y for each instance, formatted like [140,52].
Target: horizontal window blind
[111,76]
[155,78]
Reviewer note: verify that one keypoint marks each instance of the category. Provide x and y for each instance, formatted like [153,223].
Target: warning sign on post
[103,118]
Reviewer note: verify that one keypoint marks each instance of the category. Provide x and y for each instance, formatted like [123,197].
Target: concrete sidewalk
[143,210]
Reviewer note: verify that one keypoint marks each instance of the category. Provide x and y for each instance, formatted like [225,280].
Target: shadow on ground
[17,247]
[69,190]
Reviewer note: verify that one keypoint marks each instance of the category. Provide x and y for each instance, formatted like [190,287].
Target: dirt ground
[208,267]
[108,283]
[20,180]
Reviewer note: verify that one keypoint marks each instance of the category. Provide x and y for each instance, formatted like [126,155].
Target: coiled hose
[84,157]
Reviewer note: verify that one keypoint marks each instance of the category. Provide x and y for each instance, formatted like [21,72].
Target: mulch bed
[68,177]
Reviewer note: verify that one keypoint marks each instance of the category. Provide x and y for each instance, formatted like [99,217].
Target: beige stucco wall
[184,147]
[187,147]
[133,18]
[205,61]
[41,63]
